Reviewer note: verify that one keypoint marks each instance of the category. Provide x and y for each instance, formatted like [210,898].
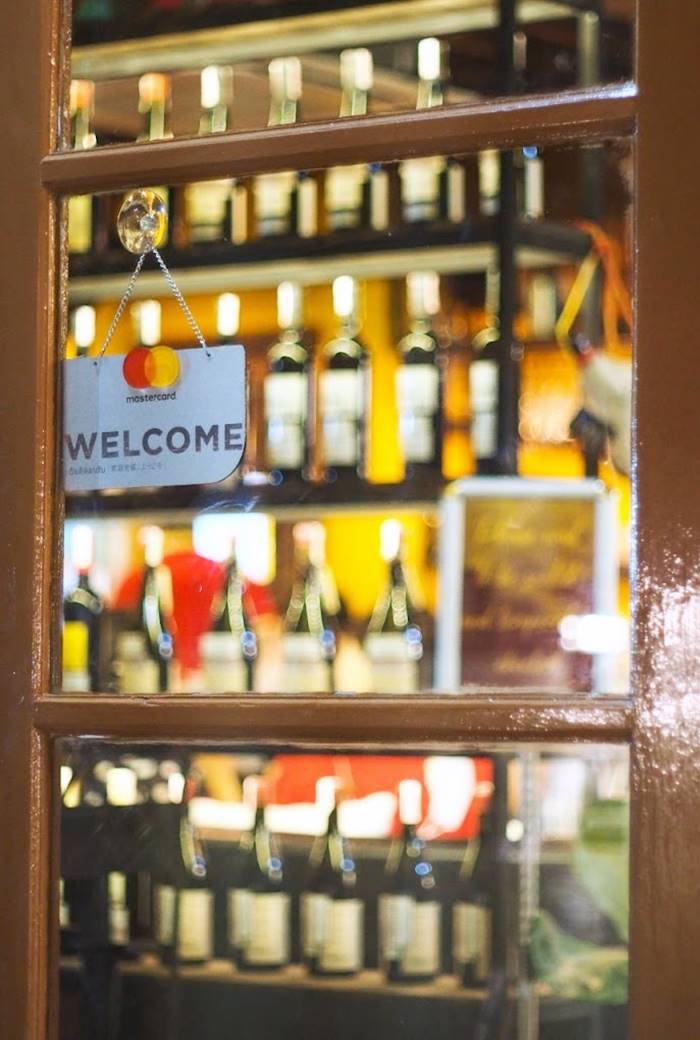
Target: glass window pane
[306,895]
[433,490]
[152,70]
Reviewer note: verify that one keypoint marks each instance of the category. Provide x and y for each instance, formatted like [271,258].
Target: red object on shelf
[196,581]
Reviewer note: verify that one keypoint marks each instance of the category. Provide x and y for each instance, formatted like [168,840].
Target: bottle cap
[345,296]
[423,293]
[82,547]
[429,59]
[84,326]
[285,78]
[356,69]
[122,786]
[216,86]
[152,538]
[154,87]
[411,801]
[289,305]
[390,535]
[228,314]
[147,321]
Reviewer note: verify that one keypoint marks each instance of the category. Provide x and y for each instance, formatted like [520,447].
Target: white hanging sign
[154,417]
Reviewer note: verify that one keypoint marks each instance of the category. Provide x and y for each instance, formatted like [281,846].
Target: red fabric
[196,581]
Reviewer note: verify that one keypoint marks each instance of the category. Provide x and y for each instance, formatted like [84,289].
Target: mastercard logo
[146,367]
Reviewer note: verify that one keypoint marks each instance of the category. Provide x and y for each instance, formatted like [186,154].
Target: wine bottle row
[299,203]
[266,915]
[143,651]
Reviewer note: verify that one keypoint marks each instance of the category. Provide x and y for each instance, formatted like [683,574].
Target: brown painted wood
[665,923]
[419,722]
[28,82]
[579,115]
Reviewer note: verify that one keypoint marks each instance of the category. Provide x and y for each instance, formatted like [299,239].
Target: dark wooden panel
[580,115]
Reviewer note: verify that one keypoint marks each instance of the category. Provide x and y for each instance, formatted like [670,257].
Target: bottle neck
[214,120]
[283,111]
[156,121]
[354,102]
[82,135]
[430,94]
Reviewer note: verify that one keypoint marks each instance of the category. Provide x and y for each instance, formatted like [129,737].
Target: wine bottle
[259,907]
[419,381]
[184,905]
[229,649]
[309,637]
[345,391]
[82,619]
[228,315]
[154,107]
[532,206]
[287,391]
[274,192]
[394,641]
[82,209]
[345,190]
[332,914]
[489,182]
[208,203]
[432,187]
[83,328]
[144,653]
[471,912]
[484,384]
[410,914]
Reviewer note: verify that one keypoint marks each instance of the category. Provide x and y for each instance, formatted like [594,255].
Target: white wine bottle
[287,391]
[420,382]
[332,913]
[346,186]
[208,203]
[345,391]
[259,905]
[432,187]
[82,619]
[229,649]
[309,635]
[471,912]
[394,641]
[410,912]
[82,209]
[144,653]
[274,193]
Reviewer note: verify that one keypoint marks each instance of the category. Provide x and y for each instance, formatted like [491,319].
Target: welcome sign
[153,418]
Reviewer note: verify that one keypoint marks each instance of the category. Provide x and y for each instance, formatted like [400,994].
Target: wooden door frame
[661,724]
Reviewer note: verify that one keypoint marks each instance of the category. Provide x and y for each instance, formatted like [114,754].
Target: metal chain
[120,309]
[181,300]
[175,291]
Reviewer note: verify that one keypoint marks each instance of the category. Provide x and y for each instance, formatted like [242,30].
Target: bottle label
[239,215]
[341,407]
[483,388]
[259,925]
[119,932]
[379,200]
[75,680]
[205,208]
[420,187]
[195,925]
[393,669]
[307,207]
[417,393]
[80,224]
[273,201]
[305,670]
[136,672]
[333,932]
[285,415]
[344,191]
[471,938]
[456,192]
[163,914]
[411,934]
[223,668]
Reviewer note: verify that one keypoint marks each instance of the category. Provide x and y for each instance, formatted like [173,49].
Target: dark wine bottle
[144,652]
[332,914]
[394,640]
[471,912]
[287,391]
[230,649]
[420,382]
[259,907]
[309,636]
[410,913]
[345,391]
[82,620]
[184,904]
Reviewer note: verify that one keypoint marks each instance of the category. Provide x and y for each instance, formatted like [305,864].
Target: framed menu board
[528,585]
